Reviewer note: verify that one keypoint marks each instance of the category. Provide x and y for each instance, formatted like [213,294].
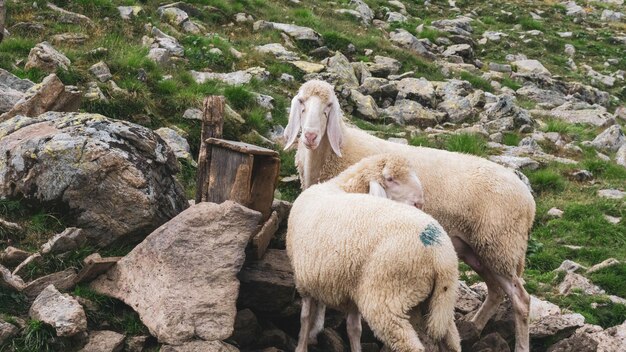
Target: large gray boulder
[404,39]
[115,178]
[610,139]
[178,304]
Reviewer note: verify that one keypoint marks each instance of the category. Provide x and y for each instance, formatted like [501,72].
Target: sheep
[373,256]
[387,176]
[487,211]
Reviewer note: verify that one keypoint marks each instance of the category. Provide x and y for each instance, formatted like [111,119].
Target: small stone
[611,193]
[193,114]
[577,282]
[308,67]
[128,12]
[530,67]
[66,241]
[7,331]
[611,219]
[136,343]
[556,213]
[104,341]
[556,325]
[61,311]
[570,50]
[12,256]
[285,77]
[46,58]
[582,175]
[604,264]
[610,139]
[159,55]
[569,266]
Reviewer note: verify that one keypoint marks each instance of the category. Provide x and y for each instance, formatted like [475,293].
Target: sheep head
[315,111]
[385,175]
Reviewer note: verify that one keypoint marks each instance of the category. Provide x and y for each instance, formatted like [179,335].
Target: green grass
[511,83]
[546,180]
[511,138]
[528,23]
[37,336]
[239,97]
[466,143]
[477,82]
[611,279]
[606,314]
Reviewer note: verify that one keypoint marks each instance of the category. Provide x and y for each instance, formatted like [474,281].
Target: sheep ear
[333,128]
[293,126]
[377,190]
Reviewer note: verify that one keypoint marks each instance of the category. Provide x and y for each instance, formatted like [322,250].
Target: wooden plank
[230,176]
[262,239]
[264,180]
[241,147]
[3,15]
[212,127]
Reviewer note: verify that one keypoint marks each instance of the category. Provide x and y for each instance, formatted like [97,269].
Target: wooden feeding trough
[237,171]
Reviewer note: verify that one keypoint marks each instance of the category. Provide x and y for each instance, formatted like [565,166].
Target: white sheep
[373,256]
[486,209]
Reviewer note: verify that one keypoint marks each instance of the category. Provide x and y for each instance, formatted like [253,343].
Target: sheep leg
[391,325]
[317,319]
[353,324]
[494,291]
[305,323]
[520,299]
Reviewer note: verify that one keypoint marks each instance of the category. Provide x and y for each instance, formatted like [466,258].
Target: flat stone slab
[182,278]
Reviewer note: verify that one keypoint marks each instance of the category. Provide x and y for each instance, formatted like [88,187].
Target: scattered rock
[61,311]
[247,328]
[208,237]
[610,139]
[384,66]
[12,89]
[200,346]
[556,213]
[592,115]
[491,343]
[12,256]
[159,55]
[463,50]
[7,331]
[168,42]
[573,281]
[308,67]
[620,155]
[529,67]
[267,285]
[7,280]
[49,95]
[65,155]
[66,241]
[365,105]
[69,38]
[604,264]
[516,162]
[404,39]
[591,338]
[278,50]
[540,309]
[340,66]
[611,16]
[611,193]
[104,341]
[65,16]
[232,78]
[46,58]
[412,113]
[556,326]
[365,12]
[417,89]
[136,343]
[569,266]
[62,280]
[176,142]
[129,12]
[302,34]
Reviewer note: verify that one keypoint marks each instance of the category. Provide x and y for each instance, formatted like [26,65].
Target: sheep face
[405,188]
[315,111]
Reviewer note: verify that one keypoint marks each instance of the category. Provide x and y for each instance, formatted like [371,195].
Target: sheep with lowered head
[486,209]
[373,256]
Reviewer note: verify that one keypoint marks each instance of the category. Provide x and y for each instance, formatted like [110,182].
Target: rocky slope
[536,86]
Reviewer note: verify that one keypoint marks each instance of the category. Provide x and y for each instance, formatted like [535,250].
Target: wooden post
[212,127]
[3,14]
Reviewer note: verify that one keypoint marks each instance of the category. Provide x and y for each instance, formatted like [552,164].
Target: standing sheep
[381,258]
[487,211]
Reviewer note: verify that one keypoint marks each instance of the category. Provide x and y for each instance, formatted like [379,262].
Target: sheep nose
[419,205]
[310,136]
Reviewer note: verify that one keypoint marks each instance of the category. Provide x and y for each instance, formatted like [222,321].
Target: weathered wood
[264,180]
[212,127]
[242,147]
[262,239]
[3,14]
[230,176]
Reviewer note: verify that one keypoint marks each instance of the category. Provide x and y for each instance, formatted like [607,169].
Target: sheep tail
[440,320]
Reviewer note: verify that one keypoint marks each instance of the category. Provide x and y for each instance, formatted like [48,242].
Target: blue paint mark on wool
[430,235]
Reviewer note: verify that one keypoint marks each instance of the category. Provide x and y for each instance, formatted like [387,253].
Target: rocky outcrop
[207,237]
[46,58]
[115,178]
